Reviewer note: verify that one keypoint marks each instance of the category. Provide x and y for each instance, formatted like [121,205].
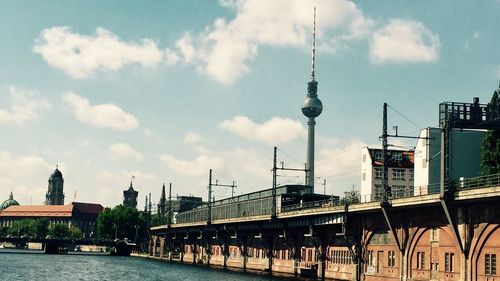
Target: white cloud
[275,131]
[80,56]
[141,178]
[123,152]
[100,115]
[192,137]
[185,46]
[224,49]
[196,167]
[116,182]
[25,106]
[340,160]
[249,168]
[404,41]
[22,175]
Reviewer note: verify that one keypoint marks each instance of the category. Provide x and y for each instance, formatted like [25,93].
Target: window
[364,158]
[398,191]
[364,176]
[397,156]
[412,174]
[420,260]
[490,264]
[391,259]
[378,156]
[370,258]
[424,163]
[378,173]
[378,191]
[448,262]
[398,174]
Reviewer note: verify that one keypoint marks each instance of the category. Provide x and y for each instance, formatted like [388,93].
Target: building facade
[55,192]
[130,197]
[400,173]
[465,163]
[81,215]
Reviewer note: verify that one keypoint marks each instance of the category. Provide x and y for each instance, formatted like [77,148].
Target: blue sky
[165,90]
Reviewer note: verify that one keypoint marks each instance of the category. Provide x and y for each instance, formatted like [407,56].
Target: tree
[120,222]
[74,232]
[490,150]
[59,230]
[23,227]
[41,227]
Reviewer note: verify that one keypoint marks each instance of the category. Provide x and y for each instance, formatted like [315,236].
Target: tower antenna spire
[313,49]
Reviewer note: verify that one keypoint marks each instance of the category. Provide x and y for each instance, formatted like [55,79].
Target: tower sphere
[312,107]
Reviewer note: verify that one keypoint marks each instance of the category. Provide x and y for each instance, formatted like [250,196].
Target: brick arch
[416,237]
[478,242]
[385,272]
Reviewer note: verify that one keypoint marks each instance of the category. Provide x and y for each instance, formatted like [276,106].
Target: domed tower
[311,108]
[55,194]
[9,202]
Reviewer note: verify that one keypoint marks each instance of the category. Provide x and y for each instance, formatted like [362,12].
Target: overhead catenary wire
[406,118]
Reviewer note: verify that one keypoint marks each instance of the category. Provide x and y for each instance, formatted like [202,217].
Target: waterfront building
[9,202]
[400,171]
[130,197]
[465,163]
[81,215]
[55,193]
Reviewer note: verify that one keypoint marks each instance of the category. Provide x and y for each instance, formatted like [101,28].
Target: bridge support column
[297,247]
[194,250]
[162,245]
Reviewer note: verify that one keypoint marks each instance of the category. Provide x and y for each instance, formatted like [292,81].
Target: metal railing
[463,184]
[478,182]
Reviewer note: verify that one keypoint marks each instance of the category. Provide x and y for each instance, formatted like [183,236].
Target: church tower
[130,197]
[162,205]
[55,193]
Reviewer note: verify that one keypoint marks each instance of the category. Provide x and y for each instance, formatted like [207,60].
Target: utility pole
[273,215]
[275,175]
[170,206]
[210,185]
[232,186]
[385,169]
[209,219]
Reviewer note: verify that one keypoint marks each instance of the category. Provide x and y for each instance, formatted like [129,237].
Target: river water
[32,265]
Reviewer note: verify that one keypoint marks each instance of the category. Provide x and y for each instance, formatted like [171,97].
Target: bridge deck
[484,193]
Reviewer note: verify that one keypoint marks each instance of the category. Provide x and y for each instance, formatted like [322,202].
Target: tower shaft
[310,152]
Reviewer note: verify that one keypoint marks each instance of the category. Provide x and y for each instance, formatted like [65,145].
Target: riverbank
[218,268]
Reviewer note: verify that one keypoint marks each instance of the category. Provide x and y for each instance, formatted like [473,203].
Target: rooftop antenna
[313,60]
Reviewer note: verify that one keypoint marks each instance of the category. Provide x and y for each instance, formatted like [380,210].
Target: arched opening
[434,255]
[381,257]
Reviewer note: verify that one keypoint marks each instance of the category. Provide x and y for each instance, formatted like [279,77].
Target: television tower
[311,108]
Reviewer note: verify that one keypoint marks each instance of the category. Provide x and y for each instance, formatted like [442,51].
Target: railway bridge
[447,235]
